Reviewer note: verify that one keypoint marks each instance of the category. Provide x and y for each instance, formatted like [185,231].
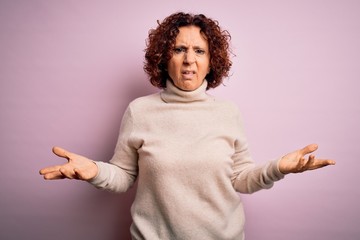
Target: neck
[173,94]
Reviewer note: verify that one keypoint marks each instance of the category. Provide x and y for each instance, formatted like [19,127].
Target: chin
[187,84]
[189,87]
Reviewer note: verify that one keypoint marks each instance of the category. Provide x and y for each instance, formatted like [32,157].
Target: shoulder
[144,106]
[226,105]
[144,101]
[228,114]
[140,107]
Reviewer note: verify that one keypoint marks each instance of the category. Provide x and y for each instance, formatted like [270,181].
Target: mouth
[188,74]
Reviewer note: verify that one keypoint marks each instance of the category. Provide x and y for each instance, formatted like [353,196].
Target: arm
[100,174]
[252,178]
[249,178]
[118,175]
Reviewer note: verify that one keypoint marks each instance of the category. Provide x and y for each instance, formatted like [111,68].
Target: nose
[190,57]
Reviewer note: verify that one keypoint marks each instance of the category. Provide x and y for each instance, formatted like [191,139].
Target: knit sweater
[190,157]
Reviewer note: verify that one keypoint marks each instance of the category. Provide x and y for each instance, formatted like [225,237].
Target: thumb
[309,149]
[60,152]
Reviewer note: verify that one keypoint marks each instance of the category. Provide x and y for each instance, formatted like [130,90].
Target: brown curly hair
[161,42]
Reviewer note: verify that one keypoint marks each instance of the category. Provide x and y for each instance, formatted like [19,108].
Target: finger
[60,152]
[300,165]
[301,162]
[331,162]
[68,173]
[319,163]
[53,176]
[309,149]
[49,169]
[311,160]
[324,162]
[79,174]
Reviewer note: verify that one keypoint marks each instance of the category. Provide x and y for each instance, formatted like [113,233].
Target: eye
[200,51]
[178,50]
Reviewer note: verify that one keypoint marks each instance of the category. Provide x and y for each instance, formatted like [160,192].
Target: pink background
[69,68]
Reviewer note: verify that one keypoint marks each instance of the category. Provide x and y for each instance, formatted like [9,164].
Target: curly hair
[161,42]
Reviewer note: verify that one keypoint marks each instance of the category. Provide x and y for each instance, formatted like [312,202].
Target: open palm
[77,167]
[296,162]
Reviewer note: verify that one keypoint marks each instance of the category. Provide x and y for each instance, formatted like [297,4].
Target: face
[190,62]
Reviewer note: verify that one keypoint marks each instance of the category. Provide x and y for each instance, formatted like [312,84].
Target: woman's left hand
[297,161]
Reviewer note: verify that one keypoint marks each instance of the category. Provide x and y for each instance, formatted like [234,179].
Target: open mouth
[188,74]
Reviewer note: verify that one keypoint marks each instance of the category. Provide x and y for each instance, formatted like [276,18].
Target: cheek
[205,69]
[172,68]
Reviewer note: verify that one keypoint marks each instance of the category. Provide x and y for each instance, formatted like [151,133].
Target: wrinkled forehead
[191,35]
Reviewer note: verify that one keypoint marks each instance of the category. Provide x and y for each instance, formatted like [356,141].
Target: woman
[186,148]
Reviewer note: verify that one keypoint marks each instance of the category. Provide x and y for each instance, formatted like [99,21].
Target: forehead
[191,35]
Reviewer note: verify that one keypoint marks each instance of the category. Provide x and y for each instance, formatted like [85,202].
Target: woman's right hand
[77,167]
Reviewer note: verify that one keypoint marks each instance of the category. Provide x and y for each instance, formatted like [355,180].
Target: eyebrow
[183,46]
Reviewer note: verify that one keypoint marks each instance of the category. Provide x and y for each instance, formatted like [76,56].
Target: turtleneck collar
[172,94]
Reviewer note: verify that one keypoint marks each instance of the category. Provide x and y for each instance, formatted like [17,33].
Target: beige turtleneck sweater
[190,156]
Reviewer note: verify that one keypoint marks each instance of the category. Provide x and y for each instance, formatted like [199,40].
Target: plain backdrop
[69,68]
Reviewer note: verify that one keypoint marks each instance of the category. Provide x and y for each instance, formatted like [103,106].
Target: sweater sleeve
[247,176]
[120,173]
